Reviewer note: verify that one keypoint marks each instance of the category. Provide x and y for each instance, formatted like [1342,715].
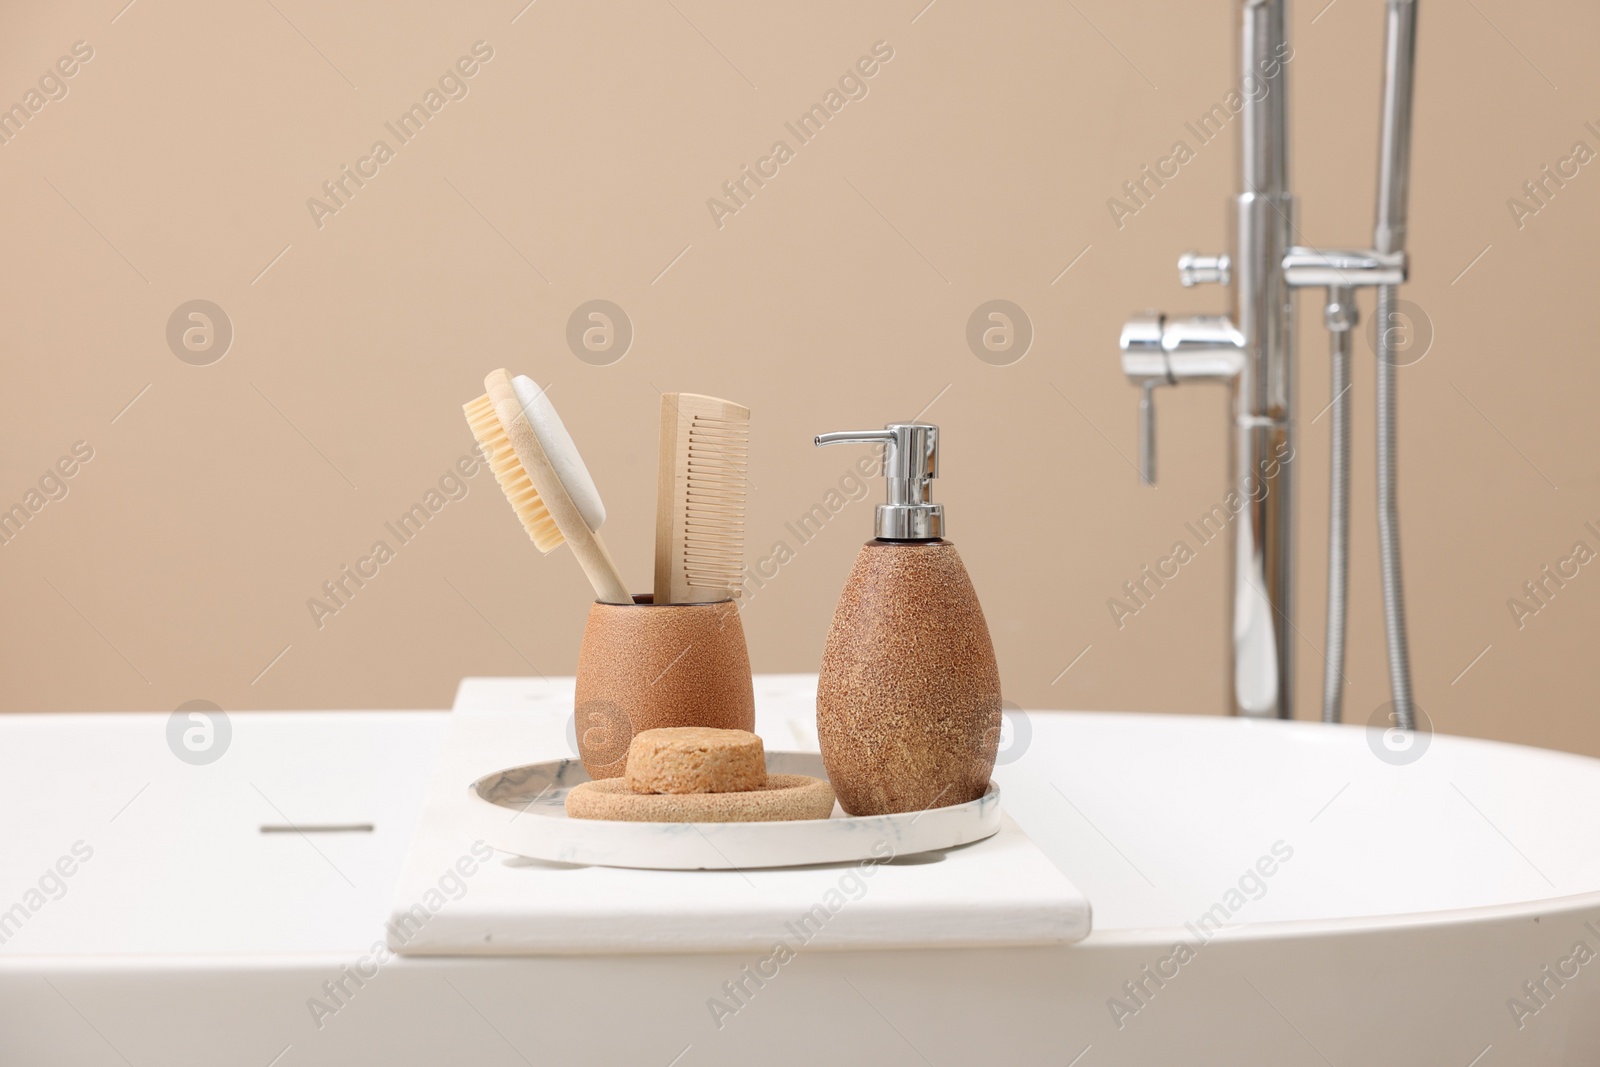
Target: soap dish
[522,810]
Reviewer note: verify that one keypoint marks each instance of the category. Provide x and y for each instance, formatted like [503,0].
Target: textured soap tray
[468,886]
[523,811]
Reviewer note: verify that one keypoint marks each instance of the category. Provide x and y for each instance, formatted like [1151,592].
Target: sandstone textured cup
[642,666]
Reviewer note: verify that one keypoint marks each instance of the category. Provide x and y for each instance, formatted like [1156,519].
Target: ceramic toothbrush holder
[644,666]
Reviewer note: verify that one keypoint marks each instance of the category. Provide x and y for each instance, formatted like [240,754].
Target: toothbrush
[543,476]
[705,447]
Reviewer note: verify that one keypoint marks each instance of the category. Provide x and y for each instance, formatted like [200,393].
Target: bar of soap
[783,797]
[695,759]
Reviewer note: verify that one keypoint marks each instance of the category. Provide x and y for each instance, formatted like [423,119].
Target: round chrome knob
[1195,269]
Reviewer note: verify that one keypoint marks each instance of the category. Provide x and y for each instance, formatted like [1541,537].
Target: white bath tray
[523,811]
[457,895]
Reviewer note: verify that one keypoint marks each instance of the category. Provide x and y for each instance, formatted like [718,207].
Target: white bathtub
[1336,908]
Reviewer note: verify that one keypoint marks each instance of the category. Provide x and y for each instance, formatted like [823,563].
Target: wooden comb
[705,452]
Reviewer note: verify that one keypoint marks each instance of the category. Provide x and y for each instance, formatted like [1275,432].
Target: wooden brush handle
[602,571]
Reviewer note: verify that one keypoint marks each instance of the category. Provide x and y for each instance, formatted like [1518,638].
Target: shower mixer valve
[1209,348]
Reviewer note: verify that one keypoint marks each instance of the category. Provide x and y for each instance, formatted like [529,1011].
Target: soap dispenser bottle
[908,698]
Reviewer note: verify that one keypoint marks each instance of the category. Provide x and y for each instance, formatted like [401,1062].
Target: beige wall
[578,166]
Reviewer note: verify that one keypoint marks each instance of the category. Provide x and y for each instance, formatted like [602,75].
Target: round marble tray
[523,811]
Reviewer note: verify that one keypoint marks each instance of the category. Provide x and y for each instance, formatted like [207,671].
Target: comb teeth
[514,482]
[713,503]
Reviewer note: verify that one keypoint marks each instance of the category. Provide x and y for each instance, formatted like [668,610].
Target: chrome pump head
[910,464]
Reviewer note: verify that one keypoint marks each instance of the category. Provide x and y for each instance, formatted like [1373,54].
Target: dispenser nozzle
[910,463]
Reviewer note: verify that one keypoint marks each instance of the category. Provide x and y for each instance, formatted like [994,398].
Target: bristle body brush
[543,476]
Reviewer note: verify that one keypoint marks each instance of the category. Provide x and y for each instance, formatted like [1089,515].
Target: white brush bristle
[713,546]
[508,471]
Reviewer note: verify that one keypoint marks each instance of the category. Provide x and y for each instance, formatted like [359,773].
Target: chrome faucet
[1251,349]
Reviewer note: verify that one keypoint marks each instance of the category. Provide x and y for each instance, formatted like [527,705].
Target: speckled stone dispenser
[644,665]
[908,702]
[908,698]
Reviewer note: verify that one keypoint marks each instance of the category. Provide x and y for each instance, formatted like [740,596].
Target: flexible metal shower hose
[1394,602]
[1340,316]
